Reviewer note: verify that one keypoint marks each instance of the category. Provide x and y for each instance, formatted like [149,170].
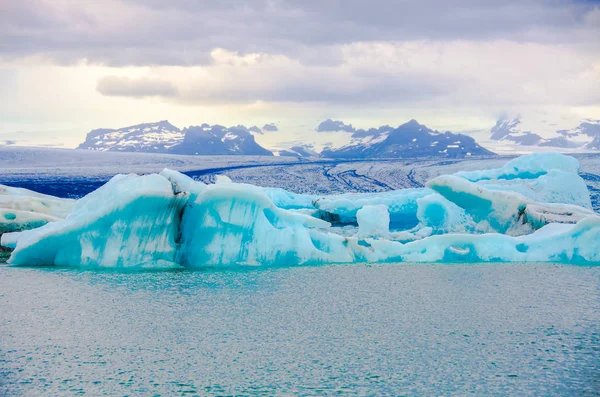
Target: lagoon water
[501,329]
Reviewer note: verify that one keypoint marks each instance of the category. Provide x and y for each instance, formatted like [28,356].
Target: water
[511,329]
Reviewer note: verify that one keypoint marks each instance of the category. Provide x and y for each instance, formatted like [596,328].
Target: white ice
[168,219]
[22,209]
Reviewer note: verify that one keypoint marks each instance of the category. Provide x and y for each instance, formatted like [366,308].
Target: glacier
[535,208]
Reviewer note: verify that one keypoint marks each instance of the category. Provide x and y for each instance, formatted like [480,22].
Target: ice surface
[401,204]
[22,209]
[442,215]
[168,219]
[544,177]
[373,221]
[504,211]
[529,166]
[130,221]
[288,200]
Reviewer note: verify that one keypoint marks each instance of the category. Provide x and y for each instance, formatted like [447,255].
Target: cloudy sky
[69,66]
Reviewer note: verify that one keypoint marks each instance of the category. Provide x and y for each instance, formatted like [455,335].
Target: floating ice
[22,209]
[442,215]
[130,221]
[544,177]
[171,220]
[373,221]
[401,204]
[505,212]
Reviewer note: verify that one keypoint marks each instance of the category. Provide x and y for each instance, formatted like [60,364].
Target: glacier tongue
[168,219]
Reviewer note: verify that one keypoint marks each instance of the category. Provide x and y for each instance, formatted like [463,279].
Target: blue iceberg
[23,209]
[536,208]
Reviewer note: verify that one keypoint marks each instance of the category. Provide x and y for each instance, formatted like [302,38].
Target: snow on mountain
[218,140]
[585,136]
[148,137]
[509,130]
[297,151]
[408,140]
[163,137]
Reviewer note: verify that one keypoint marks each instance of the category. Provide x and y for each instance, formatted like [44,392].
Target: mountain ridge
[408,140]
[585,136]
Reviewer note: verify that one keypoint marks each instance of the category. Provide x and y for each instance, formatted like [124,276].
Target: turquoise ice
[536,208]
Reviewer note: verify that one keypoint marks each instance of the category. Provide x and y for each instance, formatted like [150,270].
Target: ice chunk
[288,200]
[530,166]
[233,224]
[554,187]
[15,220]
[501,209]
[373,221]
[542,177]
[402,206]
[564,243]
[30,201]
[22,209]
[130,221]
[172,220]
[505,212]
[442,215]
[222,179]
[182,183]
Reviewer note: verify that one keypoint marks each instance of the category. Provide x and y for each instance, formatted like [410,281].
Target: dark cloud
[153,32]
[136,88]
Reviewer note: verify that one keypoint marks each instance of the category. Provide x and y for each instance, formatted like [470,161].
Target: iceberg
[171,220]
[373,221]
[130,221]
[504,211]
[544,177]
[402,206]
[23,209]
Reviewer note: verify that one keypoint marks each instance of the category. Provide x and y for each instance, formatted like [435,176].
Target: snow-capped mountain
[217,140]
[585,136]
[157,137]
[408,140]
[163,137]
[330,125]
[298,151]
[508,130]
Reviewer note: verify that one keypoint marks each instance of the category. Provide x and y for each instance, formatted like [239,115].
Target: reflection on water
[381,330]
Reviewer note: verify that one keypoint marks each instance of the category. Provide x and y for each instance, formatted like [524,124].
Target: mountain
[270,127]
[149,137]
[408,140]
[163,137]
[218,140]
[585,136]
[508,130]
[334,125]
[298,151]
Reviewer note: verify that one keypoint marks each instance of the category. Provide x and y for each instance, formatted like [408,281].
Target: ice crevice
[535,208]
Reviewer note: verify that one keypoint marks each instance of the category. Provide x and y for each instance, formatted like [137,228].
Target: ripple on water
[526,329]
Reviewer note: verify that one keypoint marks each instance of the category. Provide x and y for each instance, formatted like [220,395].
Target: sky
[67,67]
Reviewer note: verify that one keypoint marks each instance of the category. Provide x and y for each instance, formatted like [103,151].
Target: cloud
[236,62]
[430,74]
[135,88]
[136,32]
